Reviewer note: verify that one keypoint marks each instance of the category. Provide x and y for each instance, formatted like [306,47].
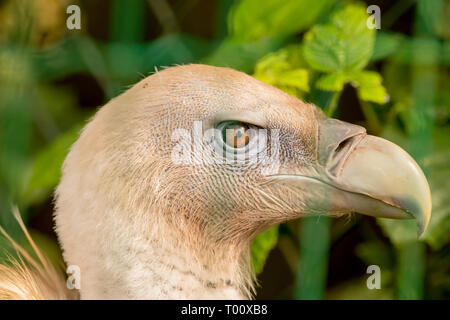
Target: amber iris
[236,135]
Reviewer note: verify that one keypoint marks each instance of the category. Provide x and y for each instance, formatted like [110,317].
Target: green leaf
[261,247]
[293,79]
[332,82]
[273,63]
[297,78]
[342,45]
[251,20]
[369,87]
[367,83]
[284,69]
[46,168]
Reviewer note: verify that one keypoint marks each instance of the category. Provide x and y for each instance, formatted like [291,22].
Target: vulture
[167,185]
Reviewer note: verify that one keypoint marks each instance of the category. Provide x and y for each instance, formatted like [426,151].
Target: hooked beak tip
[383,171]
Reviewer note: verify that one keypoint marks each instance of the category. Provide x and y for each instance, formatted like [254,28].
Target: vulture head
[168,184]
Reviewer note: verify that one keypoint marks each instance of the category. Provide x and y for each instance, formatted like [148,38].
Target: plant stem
[223,8]
[332,104]
[313,264]
[127,27]
[372,118]
[128,21]
[412,255]
[411,270]
[315,244]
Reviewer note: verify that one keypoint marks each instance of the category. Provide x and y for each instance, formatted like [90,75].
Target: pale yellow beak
[356,172]
[378,170]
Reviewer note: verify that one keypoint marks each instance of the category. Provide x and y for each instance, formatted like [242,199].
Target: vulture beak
[361,173]
[381,178]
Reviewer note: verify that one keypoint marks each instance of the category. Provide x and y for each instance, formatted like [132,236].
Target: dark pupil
[238,132]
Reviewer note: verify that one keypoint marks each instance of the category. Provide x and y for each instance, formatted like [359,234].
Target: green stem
[128,21]
[411,270]
[397,9]
[411,255]
[315,243]
[221,28]
[371,116]
[127,27]
[313,264]
[333,103]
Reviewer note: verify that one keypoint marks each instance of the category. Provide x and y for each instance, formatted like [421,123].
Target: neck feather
[154,261]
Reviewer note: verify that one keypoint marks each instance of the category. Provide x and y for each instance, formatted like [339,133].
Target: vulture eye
[237,140]
[235,134]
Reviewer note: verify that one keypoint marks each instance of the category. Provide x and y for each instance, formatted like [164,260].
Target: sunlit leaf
[284,69]
[343,44]
[369,86]
[332,82]
[297,78]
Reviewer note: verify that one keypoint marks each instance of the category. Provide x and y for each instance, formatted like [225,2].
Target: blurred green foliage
[314,50]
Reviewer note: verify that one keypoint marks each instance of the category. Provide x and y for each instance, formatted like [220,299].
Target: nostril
[334,136]
[340,154]
[345,144]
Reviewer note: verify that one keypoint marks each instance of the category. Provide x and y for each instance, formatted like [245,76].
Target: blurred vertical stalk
[412,255]
[315,238]
[128,21]
[411,270]
[127,28]
[165,15]
[16,101]
[313,258]
[223,7]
